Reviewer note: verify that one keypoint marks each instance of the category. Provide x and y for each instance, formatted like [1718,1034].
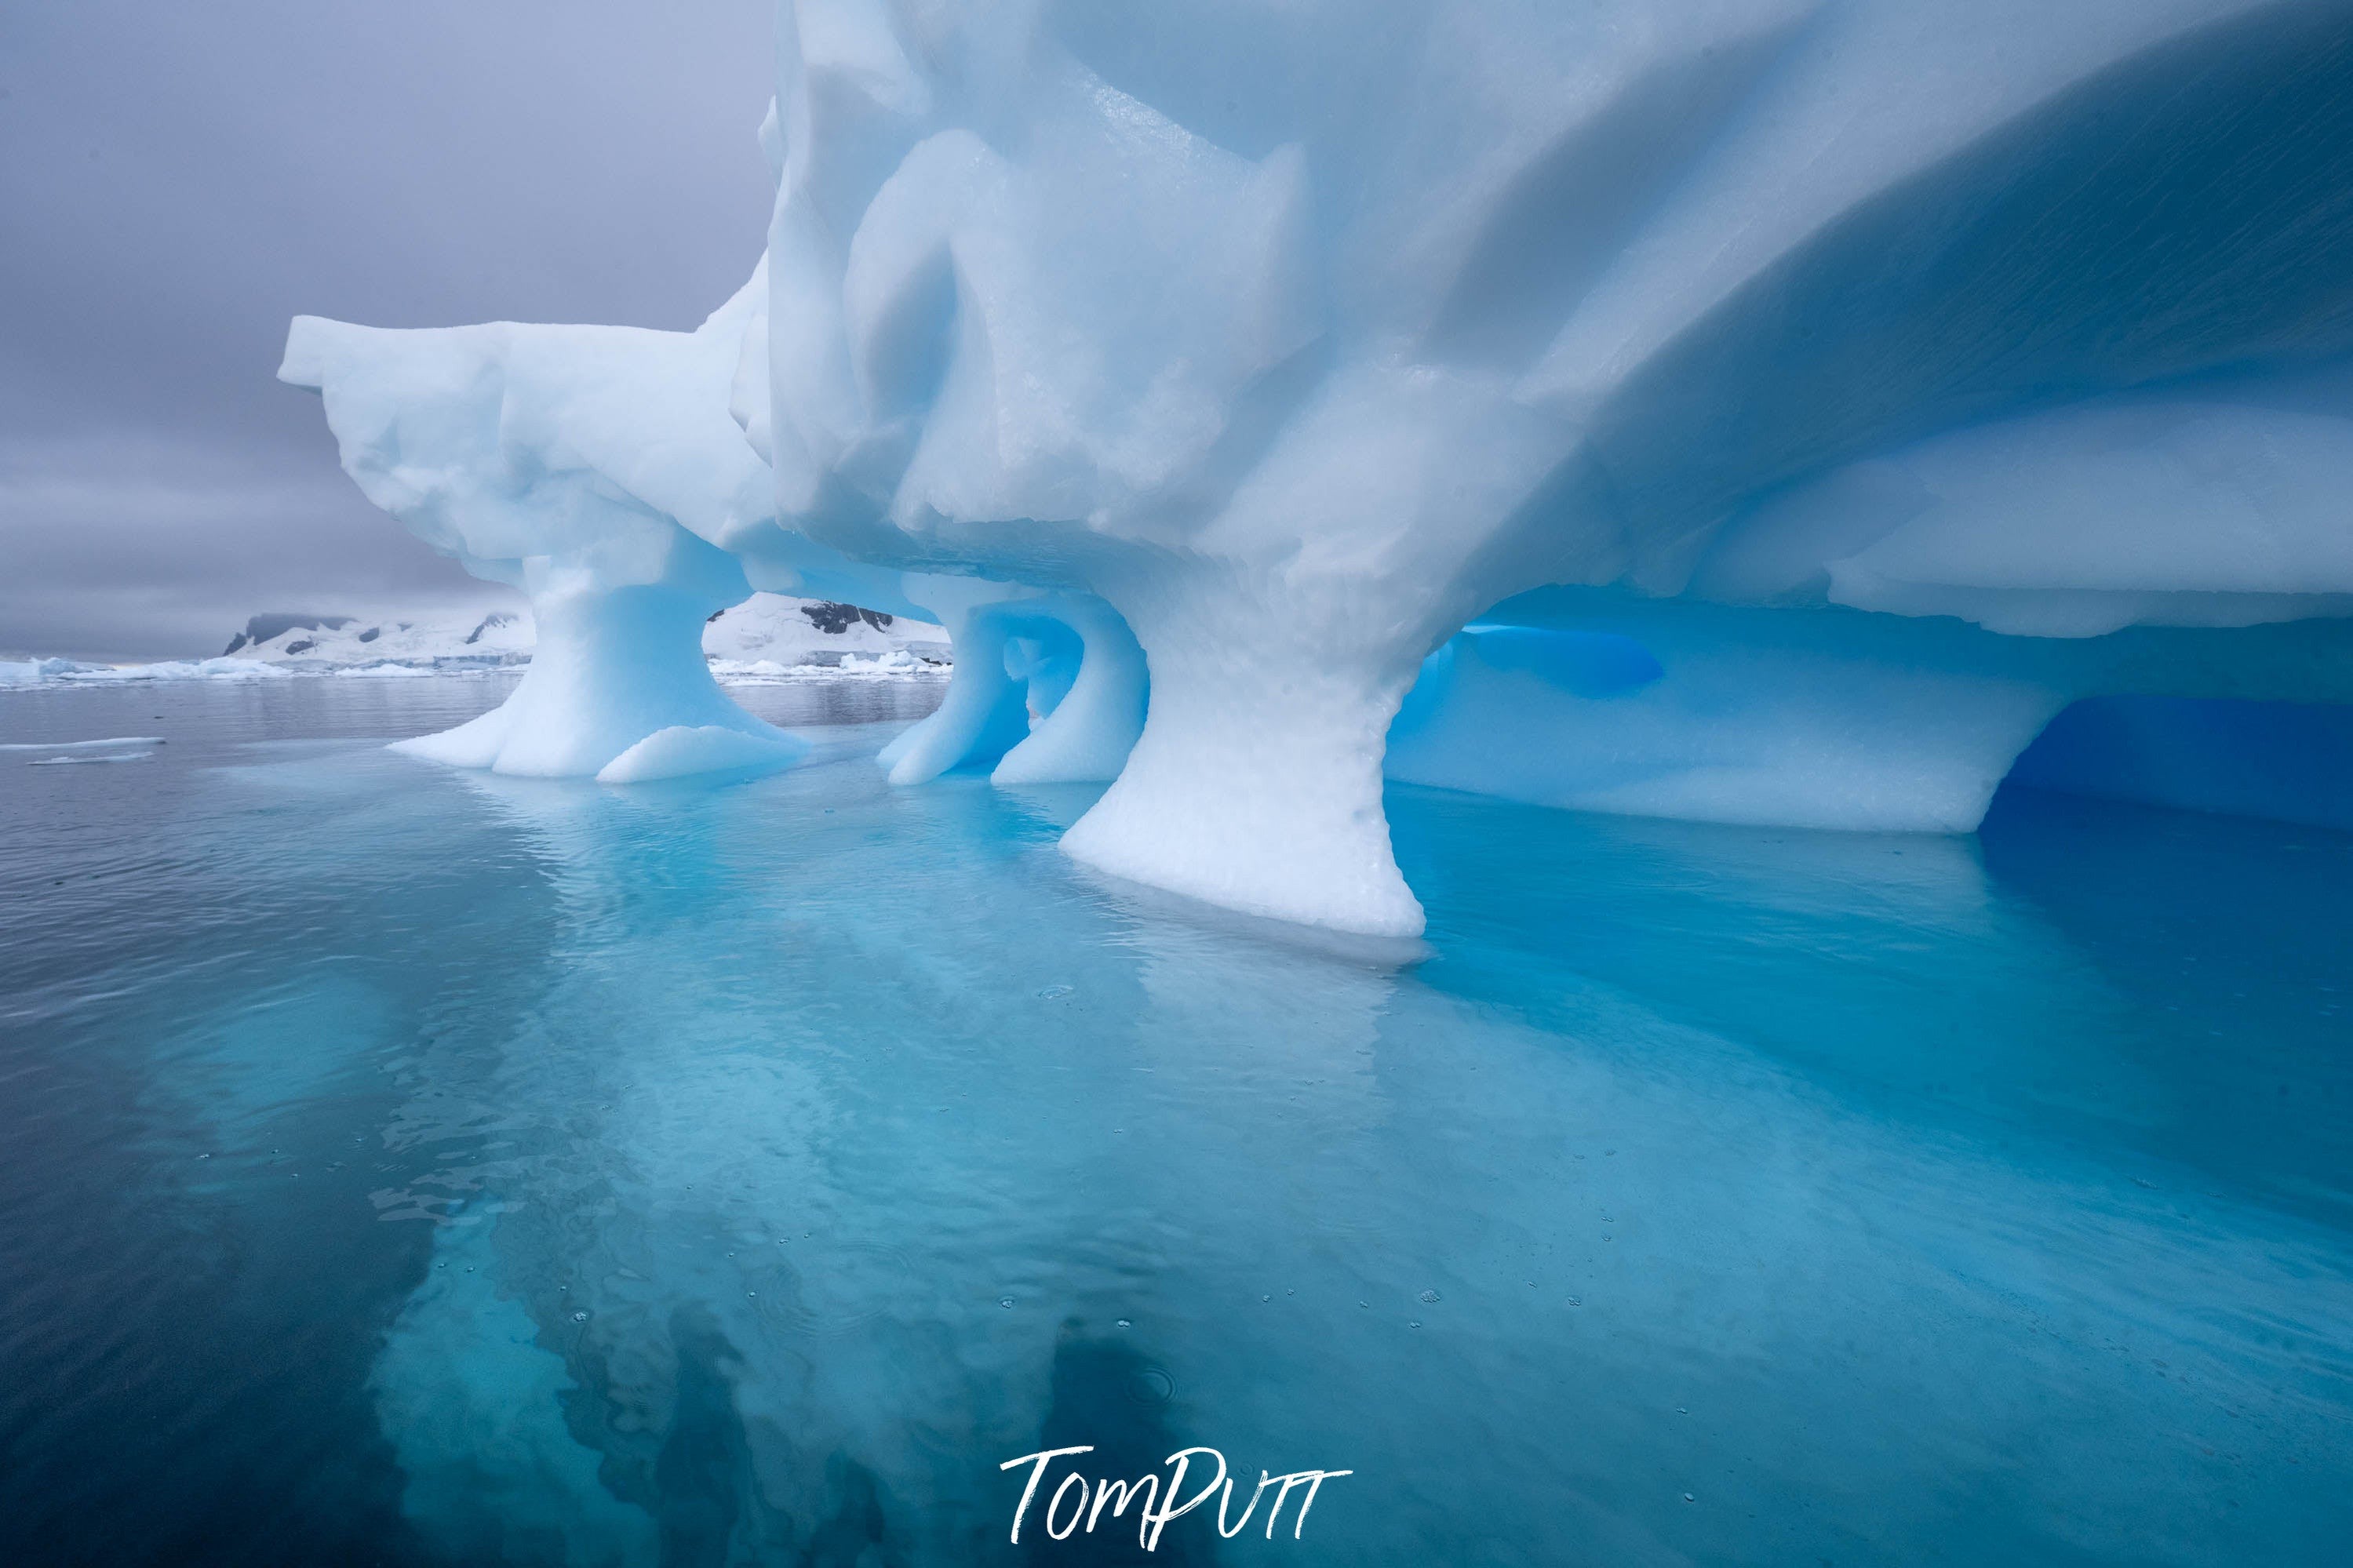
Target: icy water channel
[404,1166]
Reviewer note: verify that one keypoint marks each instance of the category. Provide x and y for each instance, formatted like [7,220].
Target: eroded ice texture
[1842,357]
[1303,335]
[599,469]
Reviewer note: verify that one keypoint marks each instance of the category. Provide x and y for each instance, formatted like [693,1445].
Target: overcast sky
[176,180]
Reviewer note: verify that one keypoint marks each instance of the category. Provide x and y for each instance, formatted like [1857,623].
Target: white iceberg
[1874,378]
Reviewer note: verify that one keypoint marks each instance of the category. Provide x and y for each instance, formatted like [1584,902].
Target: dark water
[406,1166]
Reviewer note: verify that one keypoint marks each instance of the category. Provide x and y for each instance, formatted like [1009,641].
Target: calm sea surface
[409,1166]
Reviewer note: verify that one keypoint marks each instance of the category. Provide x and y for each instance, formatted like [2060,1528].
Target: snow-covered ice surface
[67,671]
[97,743]
[1839,353]
[440,1167]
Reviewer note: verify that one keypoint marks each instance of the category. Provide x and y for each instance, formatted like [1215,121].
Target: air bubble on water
[1414,1325]
[1054,993]
[1432,1298]
[1364,1303]
[1576,1301]
[1126,1323]
[579,1317]
[1266,1297]
[1006,1302]
[1688,1498]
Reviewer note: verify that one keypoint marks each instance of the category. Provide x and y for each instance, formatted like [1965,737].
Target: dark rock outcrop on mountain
[495,618]
[834,620]
[261,628]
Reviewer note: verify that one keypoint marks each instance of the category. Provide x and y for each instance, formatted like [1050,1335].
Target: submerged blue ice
[1347,429]
[452,1167]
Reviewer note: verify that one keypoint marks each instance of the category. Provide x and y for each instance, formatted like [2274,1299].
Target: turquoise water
[407,1166]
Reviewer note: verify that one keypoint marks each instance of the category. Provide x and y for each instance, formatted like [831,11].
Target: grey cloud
[177,180]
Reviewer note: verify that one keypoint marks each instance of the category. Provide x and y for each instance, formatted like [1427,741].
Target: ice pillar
[1256,784]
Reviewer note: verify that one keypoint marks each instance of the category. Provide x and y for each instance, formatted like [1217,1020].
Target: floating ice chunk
[109,743]
[221,669]
[679,751]
[897,661]
[37,671]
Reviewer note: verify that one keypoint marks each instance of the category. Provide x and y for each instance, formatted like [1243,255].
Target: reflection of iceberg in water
[1601,1224]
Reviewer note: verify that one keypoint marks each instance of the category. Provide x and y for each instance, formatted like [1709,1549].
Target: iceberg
[71,672]
[1769,411]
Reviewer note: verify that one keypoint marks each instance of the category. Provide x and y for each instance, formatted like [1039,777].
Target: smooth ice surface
[412,1165]
[685,749]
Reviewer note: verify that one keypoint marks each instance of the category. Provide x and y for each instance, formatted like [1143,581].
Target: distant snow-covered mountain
[502,637]
[766,637]
[772,632]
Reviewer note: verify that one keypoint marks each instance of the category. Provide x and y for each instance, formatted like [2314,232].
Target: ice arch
[1891,372]
[1831,719]
[1299,335]
[518,449]
[1836,718]
[598,470]
[1048,688]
